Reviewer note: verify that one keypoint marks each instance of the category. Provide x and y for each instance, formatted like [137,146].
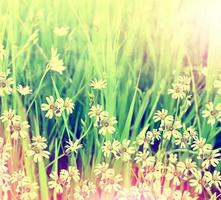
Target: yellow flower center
[106,123]
[3,84]
[177,90]
[17,128]
[51,107]
[28,190]
[213,112]
[97,112]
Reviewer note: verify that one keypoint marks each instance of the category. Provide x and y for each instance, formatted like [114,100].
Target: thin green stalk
[38,90]
[55,160]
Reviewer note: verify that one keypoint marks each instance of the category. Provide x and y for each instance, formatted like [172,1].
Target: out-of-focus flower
[100,169]
[185,82]
[107,125]
[126,150]
[192,133]
[110,182]
[145,159]
[198,182]
[39,141]
[29,189]
[73,146]
[38,154]
[49,107]
[178,91]
[53,108]
[68,175]
[56,64]
[98,84]
[61,31]
[151,136]
[217,84]
[141,191]
[213,113]
[213,178]
[5,84]
[210,158]
[18,128]
[68,105]
[173,158]
[17,176]
[187,167]
[7,116]
[3,75]
[163,117]
[84,190]
[201,146]
[174,175]
[97,112]
[5,150]
[37,149]
[55,183]
[24,90]
[56,108]
[179,195]
[182,140]
[171,129]
[111,148]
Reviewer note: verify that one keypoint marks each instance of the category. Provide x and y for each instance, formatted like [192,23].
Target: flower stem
[59,157]
[39,87]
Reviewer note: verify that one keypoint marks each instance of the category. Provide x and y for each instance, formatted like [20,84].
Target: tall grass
[139,47]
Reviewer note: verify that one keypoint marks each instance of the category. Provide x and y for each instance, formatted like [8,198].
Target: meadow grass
[139,49]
